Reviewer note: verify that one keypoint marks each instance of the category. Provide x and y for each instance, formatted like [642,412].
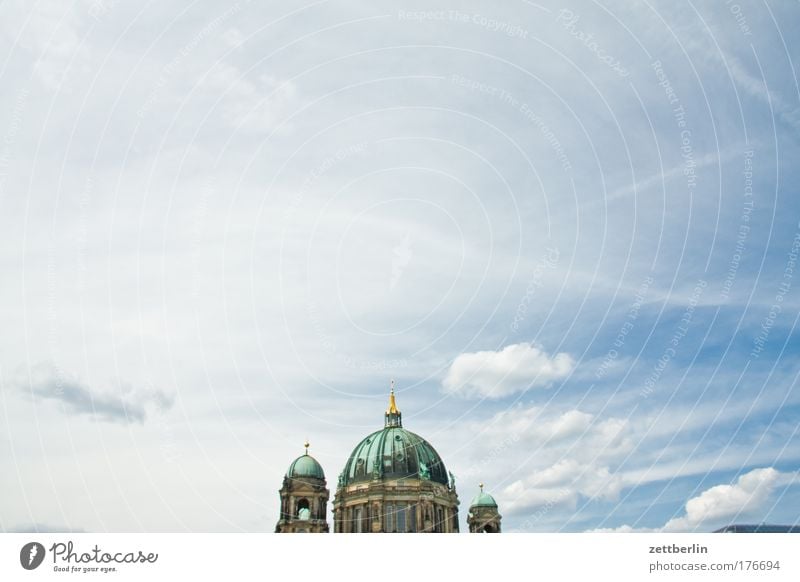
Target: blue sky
[562,229]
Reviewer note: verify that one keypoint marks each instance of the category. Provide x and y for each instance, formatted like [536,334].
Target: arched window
[303,509]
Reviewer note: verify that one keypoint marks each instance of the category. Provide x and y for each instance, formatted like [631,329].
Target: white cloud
[541,430]
[513,369]
[723,504]
[561,457]
[529,498]
[562,484]
[622,529]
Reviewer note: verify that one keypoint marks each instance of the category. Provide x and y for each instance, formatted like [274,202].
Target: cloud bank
[124,405]
[724,504]
[515,368]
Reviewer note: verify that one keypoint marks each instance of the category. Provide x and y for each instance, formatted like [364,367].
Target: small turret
[483,516]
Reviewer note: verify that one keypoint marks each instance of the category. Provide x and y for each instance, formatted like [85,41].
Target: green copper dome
[483,500]
[305,466]
[393,453]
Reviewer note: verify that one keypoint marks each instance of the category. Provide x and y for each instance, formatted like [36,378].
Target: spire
[481,486]
[393,416]
[392,404]
[306,445]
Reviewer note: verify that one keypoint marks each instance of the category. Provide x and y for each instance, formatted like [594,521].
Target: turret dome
[305,466]
[483,499]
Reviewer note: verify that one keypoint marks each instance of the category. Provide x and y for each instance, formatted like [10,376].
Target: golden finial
[392,404]
[306,445]
[481,486]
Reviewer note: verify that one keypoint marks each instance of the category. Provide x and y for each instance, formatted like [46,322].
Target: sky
[569,233]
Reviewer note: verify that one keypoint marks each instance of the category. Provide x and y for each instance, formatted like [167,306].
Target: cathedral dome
[483,499]
[394,453]
[305,466]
